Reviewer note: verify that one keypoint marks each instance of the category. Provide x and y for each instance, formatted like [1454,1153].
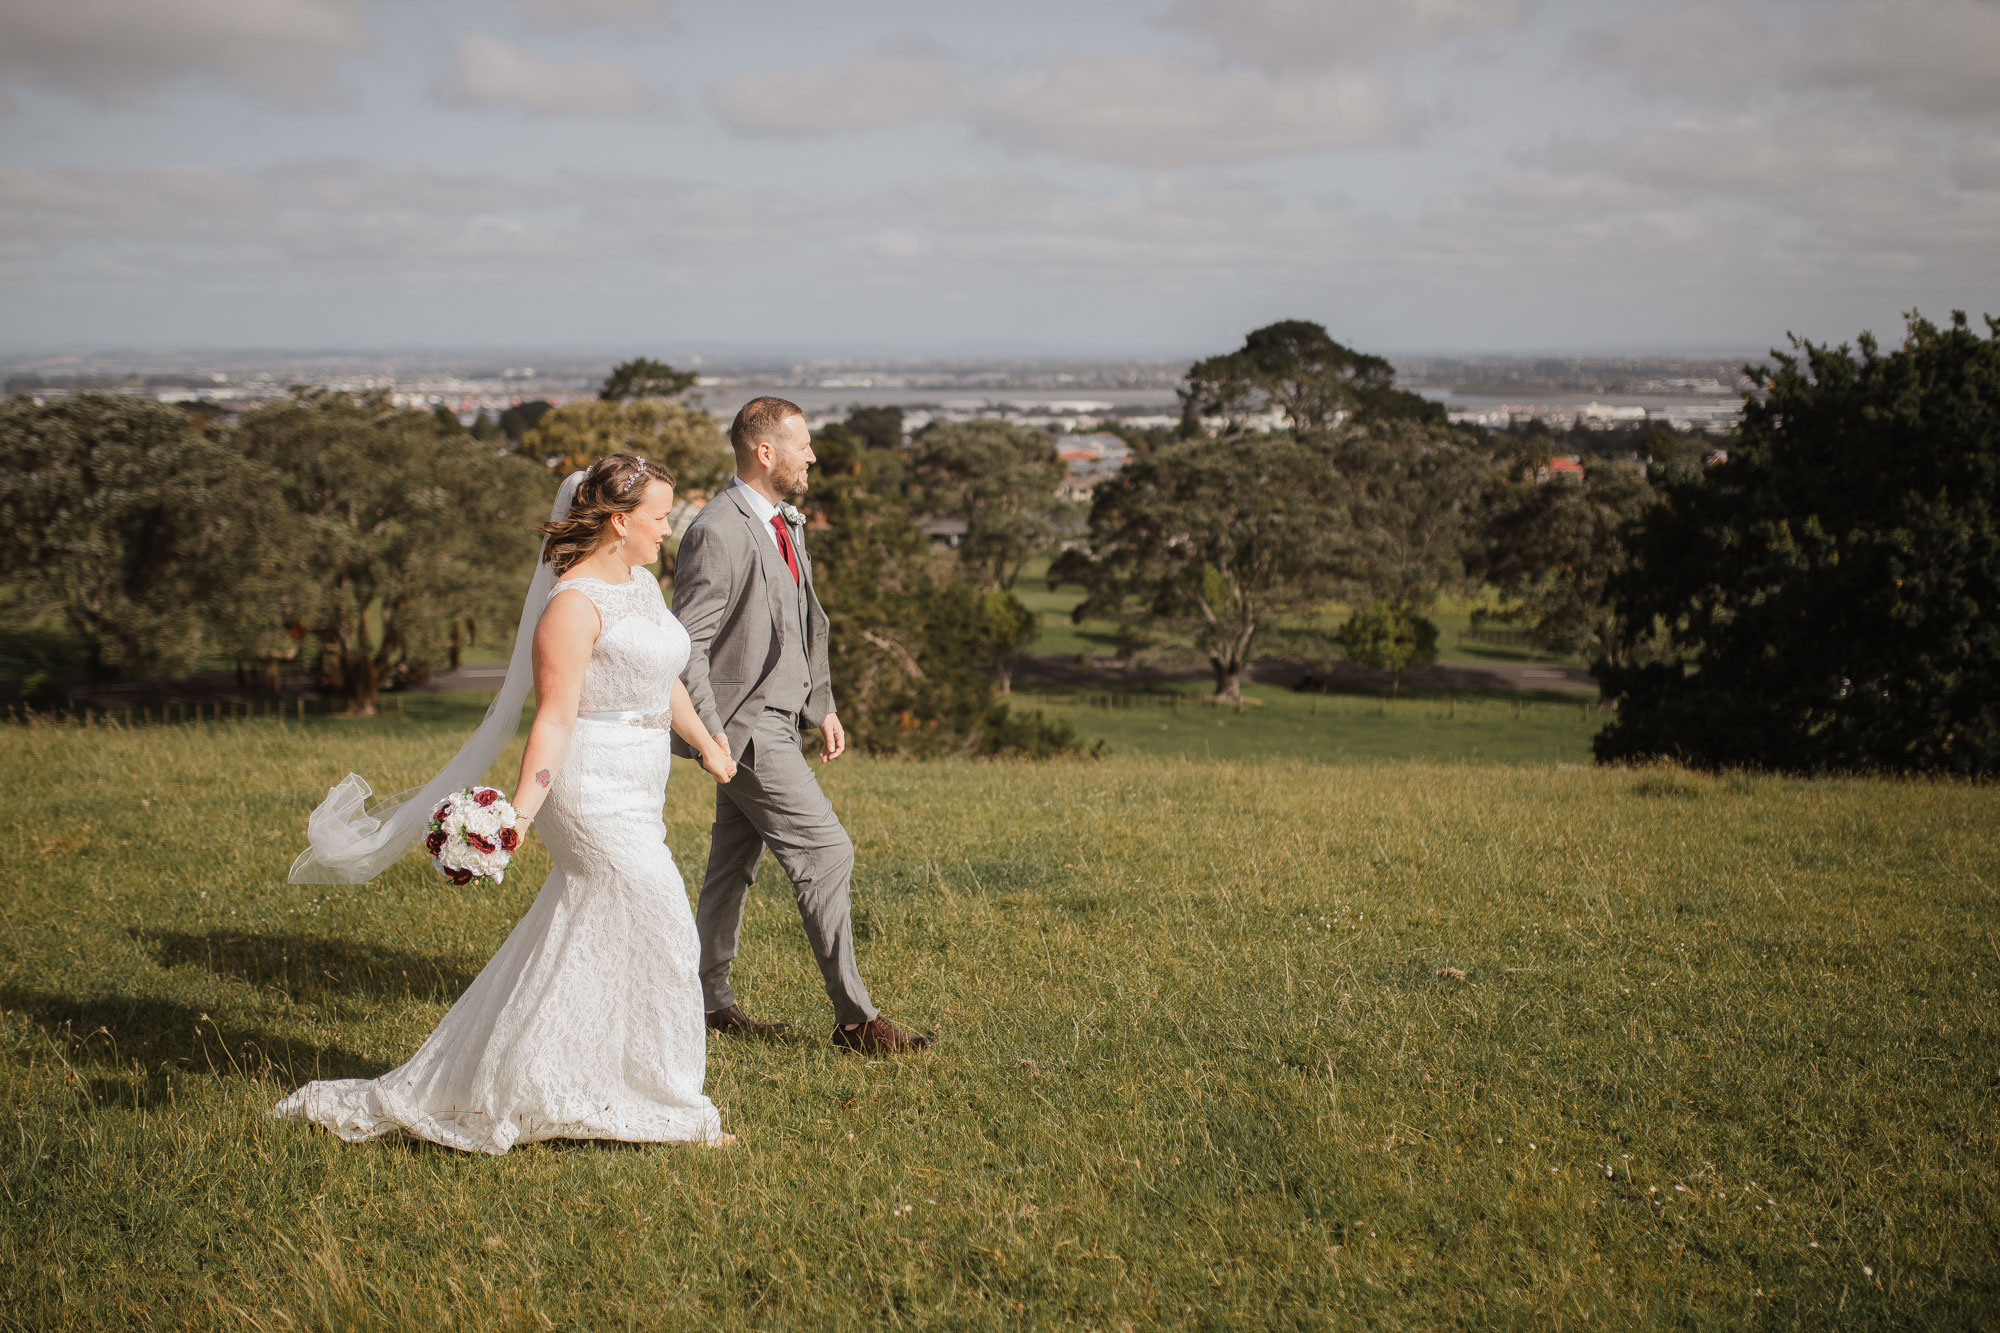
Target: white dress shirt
[766,511]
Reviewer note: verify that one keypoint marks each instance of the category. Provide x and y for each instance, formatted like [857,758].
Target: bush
[1004,733]
[1388,636]
[1829,596]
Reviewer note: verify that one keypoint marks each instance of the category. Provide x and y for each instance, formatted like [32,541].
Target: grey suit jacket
[730,589]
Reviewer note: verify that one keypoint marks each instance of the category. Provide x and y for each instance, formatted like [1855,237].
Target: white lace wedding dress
[588,1022]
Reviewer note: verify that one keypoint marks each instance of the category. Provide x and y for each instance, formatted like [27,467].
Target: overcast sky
[1082,177]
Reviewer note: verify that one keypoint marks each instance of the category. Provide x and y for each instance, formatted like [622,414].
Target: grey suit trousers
[775,801]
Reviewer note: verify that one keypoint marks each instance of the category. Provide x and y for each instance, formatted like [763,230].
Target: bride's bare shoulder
[570,617]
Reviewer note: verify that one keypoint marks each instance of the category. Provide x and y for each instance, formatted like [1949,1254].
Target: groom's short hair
[759,419]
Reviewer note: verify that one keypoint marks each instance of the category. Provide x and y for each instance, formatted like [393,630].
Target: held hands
[716,759]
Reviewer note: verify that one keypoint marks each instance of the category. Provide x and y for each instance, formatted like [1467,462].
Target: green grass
[1725,1053]
[1341,728]
[1059,636]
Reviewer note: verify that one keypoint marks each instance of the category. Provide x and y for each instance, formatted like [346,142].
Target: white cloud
[1152,112]
[1806,208]
[55,203]
[1976,165]
[1314,34]
[1759,156]
[598,9]
[896,83]
[114,51]
[488,72]
[1163,227]
[1143,111]
[1939,57]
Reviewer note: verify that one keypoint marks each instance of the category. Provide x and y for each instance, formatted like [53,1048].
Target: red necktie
[785,545]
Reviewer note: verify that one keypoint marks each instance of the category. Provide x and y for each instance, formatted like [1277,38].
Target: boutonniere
[792,516]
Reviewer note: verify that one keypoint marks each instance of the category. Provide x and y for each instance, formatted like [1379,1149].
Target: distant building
[945,532]
[1090,459]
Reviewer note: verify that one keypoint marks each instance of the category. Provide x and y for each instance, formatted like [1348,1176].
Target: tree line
[1822,594]
[372,545]
[1818,594]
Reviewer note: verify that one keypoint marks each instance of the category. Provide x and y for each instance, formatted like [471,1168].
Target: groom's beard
[792,487]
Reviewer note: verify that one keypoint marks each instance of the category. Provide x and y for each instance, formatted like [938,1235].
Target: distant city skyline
[1135,178]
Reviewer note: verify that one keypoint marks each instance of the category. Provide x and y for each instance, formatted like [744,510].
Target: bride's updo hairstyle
[614,486]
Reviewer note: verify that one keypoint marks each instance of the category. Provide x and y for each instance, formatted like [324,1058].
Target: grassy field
[1060,636]
[1280,723]
[1724,1052]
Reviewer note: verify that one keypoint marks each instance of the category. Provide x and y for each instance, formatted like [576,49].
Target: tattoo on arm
[542,777]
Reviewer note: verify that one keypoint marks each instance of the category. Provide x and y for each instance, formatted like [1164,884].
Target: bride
[588,1022]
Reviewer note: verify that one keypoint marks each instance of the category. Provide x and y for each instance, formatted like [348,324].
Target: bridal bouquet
[473,836]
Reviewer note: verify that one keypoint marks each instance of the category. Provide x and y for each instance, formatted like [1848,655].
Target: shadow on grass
[164,1036]
[306,966]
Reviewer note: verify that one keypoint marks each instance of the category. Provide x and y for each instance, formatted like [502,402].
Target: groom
[758,673]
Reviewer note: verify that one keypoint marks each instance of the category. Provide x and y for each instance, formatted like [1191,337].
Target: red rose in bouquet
[473,836]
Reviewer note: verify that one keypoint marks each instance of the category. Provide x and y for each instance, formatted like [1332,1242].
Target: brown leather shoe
[878,1036]
[736,1023]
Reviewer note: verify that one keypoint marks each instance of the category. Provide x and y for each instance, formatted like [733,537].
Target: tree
[1214,536]
[643,378]
[404,535]
[153,541]
[519,419]
[1292,367]
[1388,636]
[685,440]
[904,637]
[878,427]
[1001,479]
[1829,597]
[1416,494]
[1006,627]
[1552,550]
[447,421]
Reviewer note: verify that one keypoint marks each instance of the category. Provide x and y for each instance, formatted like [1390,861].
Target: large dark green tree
[878,427]
[1294,367]
[403,535]
[1001,480]
[909,640]
[1217,538]
[1552,549]
[157,544]
[1416,495]
[644,378]
[1829,597]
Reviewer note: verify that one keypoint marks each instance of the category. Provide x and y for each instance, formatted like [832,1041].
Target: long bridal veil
[350,844]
